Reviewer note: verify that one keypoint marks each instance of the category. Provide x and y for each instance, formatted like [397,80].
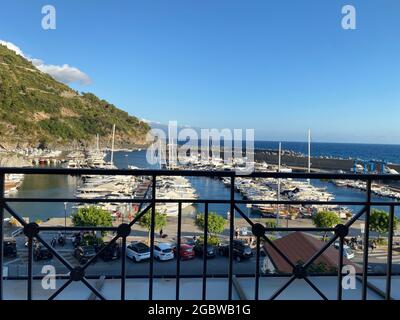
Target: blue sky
[279,67]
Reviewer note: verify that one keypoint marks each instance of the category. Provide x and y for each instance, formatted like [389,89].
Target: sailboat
[96,160]
[110,165]
[309,150]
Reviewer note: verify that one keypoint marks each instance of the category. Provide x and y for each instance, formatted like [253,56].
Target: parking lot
[219,265]
[215,266]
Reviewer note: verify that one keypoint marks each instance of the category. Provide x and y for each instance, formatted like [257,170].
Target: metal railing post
[153,221]
[390,254]
[178,251]
[123,269]
[257,284]
[231,227]
[2,186]
[340,267]
[205,244]
[30,262]
[366,241]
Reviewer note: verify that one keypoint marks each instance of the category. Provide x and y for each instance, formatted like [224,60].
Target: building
[300,247]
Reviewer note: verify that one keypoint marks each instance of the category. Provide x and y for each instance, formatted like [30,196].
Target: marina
[377,189]
[125,187]
[192,187]
[89,187]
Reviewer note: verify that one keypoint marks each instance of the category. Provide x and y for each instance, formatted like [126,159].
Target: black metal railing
[300,270]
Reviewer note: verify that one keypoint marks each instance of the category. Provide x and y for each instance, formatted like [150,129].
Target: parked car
[186,252]
[84,253]
[163,251]
[188,240]
[347,252]
[40,252]
[241,250]
[138,251]
[210,251]
[111,253]
[10,247]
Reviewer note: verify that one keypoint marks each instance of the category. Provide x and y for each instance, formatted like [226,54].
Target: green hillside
[36,109]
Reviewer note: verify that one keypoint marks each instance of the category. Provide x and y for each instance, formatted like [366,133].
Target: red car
[186,253]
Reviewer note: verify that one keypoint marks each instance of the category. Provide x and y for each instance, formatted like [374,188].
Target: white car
[163,251]
[347,252]
[137,251]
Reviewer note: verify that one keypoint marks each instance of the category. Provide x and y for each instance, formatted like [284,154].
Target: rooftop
[299,247]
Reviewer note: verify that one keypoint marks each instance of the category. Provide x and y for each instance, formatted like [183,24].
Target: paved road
[215,266]
[377,260]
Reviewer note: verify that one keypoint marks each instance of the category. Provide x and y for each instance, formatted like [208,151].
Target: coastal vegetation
[211,240]
[325,219]
[318,267]
[216,223]
[379,222]
[38,111]
[160,220]
[270,223]
[92,216]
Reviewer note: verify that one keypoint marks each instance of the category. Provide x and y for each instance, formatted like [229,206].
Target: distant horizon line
[321,142]
[330,142]
[157,125]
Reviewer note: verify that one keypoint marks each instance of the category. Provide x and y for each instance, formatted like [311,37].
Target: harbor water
[46,186]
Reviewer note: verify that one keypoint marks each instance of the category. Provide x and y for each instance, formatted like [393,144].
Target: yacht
[174,188]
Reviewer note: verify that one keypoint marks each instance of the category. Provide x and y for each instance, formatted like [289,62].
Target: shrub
[212,240]
[216,223]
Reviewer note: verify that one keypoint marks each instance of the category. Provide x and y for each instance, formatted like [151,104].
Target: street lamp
[65,214]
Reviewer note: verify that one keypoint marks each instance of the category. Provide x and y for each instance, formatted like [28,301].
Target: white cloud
[66,74]
[150,121]
[12,47]
[37,62]
[63,73]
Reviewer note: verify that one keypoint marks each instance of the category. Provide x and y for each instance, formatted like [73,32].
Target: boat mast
[98,142]
[278,191]
[209,149]
[112,145]
[170,146]
[309,152]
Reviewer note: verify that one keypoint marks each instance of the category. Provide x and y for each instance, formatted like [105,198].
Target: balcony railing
[300,270]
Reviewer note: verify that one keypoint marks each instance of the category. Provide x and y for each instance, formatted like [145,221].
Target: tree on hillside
[379,222]
[216,223]
[159,218]
[325,219]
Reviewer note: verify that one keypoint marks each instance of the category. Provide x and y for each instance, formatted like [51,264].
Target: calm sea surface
[386,152]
